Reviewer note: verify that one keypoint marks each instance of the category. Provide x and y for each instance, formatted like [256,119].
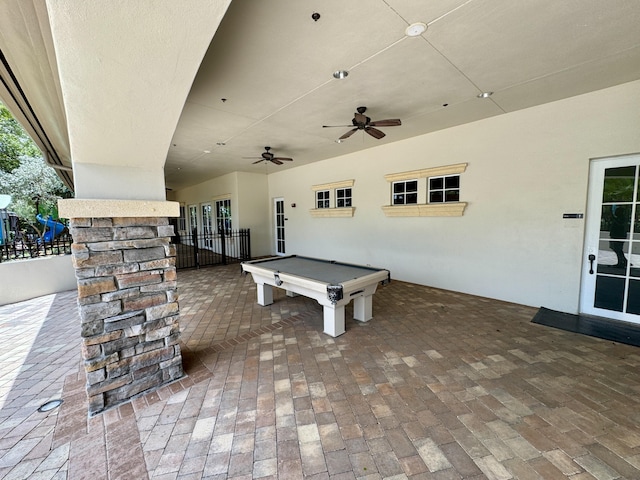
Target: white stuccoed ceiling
[273,64]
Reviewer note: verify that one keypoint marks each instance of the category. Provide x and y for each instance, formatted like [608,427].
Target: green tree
[34,188]
[14,142]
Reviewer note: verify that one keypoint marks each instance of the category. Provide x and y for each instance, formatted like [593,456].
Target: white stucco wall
[525,170]
[249,204]
[32,278]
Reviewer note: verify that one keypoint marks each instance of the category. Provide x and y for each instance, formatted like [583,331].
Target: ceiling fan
[267,156]
[361,122]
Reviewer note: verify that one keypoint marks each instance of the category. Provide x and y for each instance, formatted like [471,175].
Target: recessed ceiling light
[340,74]
[416,29]
[485,94]
[338,141]
[206,151]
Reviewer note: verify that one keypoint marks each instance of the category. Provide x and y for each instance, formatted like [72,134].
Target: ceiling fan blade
[283,158]
[374,132]
[348,134]
[360,118]
[261,160]
[276,161]
[391,122]
[334,126]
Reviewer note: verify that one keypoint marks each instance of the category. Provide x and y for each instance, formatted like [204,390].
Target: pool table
[332,284]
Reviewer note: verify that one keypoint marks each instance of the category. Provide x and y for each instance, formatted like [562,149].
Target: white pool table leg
[265,294]
[363,308]
[333,320]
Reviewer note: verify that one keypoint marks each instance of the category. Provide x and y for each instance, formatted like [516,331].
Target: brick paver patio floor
[439,385]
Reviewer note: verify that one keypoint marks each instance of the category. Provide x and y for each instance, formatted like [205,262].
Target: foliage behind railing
[33,247]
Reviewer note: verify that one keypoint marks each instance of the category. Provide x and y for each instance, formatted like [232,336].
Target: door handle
[592,257]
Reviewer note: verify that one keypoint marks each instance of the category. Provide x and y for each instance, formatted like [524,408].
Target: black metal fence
[34,246]
[197,250]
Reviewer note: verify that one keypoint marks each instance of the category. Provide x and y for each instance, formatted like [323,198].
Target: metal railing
[195,250]
[32,246]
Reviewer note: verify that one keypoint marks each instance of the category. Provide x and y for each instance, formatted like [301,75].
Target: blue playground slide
[53,228]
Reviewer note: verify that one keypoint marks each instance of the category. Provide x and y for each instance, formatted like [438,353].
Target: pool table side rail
[354,265]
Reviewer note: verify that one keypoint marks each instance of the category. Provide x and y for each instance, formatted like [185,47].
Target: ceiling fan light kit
[267,156]
[362,122]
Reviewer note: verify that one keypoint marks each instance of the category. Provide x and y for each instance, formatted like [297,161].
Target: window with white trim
[333,200]
[223,215]
[182,220]
[343,197]
[428,192]
[193,217]
[322,198]
[405,192]
[444,189]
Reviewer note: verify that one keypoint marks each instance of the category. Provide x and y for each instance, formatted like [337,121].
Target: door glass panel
[618,184]
[609,293]
[634,271]
[633,302]
[617,283]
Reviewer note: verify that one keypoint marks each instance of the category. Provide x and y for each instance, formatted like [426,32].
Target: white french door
[278,212]
[207,231]
[611,274]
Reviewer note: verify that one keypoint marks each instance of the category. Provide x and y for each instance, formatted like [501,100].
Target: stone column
[128,303]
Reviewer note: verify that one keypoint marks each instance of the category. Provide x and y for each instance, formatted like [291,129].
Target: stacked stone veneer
[128,303]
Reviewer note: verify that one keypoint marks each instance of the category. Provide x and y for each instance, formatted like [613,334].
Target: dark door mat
[606,328]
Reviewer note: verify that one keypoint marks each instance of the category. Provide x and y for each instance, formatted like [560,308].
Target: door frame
[592,238]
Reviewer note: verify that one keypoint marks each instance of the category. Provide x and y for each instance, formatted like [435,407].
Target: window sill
[332,212]
[426,210]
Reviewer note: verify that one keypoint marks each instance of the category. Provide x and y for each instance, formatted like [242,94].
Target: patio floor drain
[50,405]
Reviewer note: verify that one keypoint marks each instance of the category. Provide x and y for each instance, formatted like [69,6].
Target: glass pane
[635,259]
[619,231]
[398,187]
[618,184]
[340,203]
[412,198]
[609,293]
[452,195]
[436,197]
[412,186]
[436,183]
[398,199]
[633,301]
[347,202]
[615,224]
[452,182]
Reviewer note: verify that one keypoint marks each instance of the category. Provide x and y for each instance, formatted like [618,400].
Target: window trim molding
[427,172]
[224,196]
[449,209]
[332,212]
[333,185]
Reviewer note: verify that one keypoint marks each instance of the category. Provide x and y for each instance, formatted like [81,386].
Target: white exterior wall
[254,211]
[525,169]
[35,277]
[249,204]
